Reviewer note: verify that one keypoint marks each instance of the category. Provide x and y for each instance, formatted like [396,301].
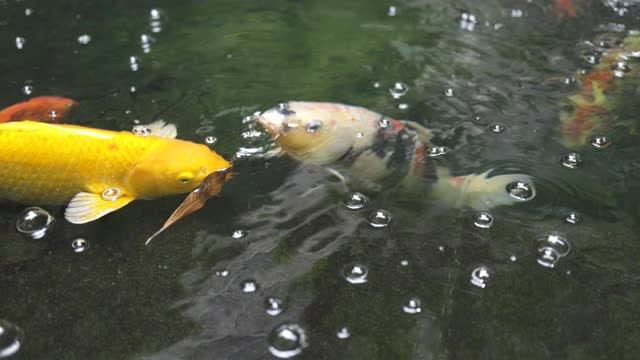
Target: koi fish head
[174,167]
[318,132]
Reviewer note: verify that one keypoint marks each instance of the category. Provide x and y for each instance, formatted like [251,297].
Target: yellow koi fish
[97,171]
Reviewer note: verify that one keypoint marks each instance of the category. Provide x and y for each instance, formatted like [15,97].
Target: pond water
[273,269]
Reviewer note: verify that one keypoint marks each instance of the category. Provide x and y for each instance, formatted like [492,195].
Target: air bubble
[521,190]
[52,115]
[111,194]
[343,333]
[287,341]
[398,90]
[571,160]
[20,41]
[84,39]
[379,218]
[80,245]
[437,151]
[239,233]
[355,273]
[557,242]
[134,63]
[619,68]
[274,306]
[10,339]
[483,220]
[34,222]
[601,142]
[412,306]
[355,201]
[548,257]
[572,218]
[141,130]
[448,92]
[384,122]
[210,140]
[497,128]
[480,276]
[249,286]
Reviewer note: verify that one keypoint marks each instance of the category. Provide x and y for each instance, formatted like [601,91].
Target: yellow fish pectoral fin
[86,207]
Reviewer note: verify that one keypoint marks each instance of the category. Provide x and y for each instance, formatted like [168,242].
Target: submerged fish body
[42,108]
[372,152]
[592,103]
[98,171]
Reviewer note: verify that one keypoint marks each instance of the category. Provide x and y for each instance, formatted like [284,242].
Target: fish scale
[49,164]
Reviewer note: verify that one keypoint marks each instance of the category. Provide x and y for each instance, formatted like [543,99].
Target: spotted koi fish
[590,105]
[371,152]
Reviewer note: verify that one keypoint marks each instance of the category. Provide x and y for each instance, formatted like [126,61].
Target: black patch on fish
[396,148]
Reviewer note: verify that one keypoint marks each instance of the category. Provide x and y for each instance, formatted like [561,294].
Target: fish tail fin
[479,191]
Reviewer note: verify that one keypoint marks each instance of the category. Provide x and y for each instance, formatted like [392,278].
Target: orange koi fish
[591,103]
[42,108]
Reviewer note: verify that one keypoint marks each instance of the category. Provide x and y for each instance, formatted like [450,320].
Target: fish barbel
[96,171]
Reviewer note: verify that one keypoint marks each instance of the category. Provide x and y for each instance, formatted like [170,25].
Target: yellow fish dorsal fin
[86,207]
[162,129]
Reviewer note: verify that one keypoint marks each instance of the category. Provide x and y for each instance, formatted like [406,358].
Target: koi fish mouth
[274,120]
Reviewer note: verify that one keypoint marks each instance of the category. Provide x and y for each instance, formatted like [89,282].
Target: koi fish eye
[314,125]
[185,177]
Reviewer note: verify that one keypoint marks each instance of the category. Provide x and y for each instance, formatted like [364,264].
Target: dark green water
[210,64]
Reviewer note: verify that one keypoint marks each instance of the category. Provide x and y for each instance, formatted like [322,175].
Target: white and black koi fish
[371,152]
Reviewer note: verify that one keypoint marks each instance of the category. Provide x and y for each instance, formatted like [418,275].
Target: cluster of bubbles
[20,41]
[34,222]
[155,20]
[552,247]
[134,63]
[468,21]
[84,39]
[437,151]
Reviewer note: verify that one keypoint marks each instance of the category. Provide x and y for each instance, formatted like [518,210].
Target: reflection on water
[286,262]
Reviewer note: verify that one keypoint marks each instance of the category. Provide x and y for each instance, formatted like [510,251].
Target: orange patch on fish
[564,8]
[42,108]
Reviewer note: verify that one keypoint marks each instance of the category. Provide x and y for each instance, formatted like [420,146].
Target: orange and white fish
[42,108]
[591,104]
[371,152]
[97,171]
